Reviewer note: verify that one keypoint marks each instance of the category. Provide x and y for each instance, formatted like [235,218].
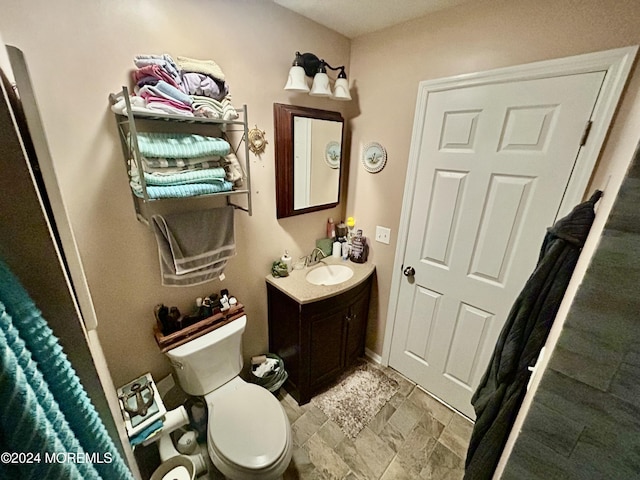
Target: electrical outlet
[383,234]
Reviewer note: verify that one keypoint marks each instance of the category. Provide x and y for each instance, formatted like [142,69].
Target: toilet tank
[207,362]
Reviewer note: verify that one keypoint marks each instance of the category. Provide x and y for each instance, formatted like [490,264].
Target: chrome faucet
[312,259]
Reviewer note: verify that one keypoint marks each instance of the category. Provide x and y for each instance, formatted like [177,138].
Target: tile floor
[412,437]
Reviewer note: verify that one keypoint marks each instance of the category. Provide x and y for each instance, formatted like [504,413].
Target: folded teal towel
[178,145]
[182,191]
[207,175]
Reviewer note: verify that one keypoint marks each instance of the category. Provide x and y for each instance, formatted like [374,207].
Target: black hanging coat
[501,390]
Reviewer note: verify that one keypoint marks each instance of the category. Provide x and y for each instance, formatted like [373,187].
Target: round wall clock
[374,157]
[332,154]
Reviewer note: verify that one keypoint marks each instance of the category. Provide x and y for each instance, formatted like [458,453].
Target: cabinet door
[326,337]
[356,327]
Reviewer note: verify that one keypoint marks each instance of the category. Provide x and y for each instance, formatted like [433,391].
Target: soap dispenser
[286,259]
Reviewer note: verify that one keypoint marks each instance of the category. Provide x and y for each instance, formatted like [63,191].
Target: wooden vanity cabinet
[317,340]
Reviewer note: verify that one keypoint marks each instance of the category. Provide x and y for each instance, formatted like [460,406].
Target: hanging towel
[194,246]
[44,406]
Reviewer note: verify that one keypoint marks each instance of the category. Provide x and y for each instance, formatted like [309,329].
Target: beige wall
[75,65]
[482,35]
[79,52]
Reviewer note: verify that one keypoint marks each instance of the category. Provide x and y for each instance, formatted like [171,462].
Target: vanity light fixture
[309,65]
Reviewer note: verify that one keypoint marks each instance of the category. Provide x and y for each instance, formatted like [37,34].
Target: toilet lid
[248,427]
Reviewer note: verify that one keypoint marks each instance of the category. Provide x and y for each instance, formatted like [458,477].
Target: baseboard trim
[373,356]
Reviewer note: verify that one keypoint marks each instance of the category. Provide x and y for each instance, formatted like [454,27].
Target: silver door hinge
[585,134]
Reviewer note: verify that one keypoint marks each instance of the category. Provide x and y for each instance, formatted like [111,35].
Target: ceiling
[353,18]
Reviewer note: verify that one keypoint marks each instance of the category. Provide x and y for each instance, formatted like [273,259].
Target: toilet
[248,432]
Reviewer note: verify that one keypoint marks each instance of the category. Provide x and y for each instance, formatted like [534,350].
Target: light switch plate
[383,234]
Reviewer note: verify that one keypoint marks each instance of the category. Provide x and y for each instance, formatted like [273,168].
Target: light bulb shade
[320,87]
[297,81]
[341,90]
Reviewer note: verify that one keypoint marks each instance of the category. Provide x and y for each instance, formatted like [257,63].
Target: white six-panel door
[494,162]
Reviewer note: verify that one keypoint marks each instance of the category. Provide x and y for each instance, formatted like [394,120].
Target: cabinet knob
[409,272]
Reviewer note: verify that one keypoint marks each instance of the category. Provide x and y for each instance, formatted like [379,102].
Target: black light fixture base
[309,62]
[312,65]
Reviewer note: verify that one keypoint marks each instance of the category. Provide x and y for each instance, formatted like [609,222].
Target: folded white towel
[206,67]
[138,104]
[235,174]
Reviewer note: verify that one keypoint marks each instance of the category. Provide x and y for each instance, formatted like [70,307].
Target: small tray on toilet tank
[175,339]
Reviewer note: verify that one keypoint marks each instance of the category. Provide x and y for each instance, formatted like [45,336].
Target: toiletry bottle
[337,249]
[351,223]
[341,232]
[286,259]
[331,229]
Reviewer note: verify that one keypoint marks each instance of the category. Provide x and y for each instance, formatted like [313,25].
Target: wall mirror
[308,149]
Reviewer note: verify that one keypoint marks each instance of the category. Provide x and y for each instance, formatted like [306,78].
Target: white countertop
[297,287]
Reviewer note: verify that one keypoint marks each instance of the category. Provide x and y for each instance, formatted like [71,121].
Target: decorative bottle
[359,248]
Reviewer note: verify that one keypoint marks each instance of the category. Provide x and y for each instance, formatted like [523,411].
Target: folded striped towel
[197,162]
[173,170]
[180,145]
[220,109]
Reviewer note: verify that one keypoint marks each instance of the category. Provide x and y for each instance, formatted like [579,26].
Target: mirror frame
[283,125]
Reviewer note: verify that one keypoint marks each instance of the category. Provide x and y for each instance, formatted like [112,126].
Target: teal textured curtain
[49,429]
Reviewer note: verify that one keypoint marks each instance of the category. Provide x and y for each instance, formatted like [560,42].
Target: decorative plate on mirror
[374,157]
[332,154]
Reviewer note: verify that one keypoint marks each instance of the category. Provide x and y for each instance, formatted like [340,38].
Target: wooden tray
[209,324]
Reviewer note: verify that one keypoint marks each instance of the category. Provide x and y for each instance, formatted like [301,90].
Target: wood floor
[413,437]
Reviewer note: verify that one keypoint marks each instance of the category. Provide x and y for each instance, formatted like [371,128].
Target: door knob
[409,272]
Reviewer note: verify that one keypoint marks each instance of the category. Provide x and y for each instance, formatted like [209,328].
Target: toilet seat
[248,428]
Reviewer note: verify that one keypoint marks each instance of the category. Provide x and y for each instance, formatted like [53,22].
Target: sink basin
[329,275]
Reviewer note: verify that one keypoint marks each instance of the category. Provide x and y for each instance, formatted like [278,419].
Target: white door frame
[617,63]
